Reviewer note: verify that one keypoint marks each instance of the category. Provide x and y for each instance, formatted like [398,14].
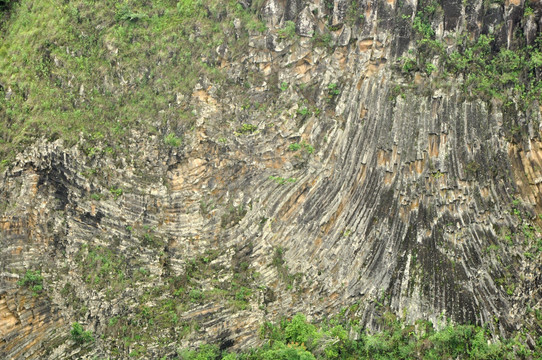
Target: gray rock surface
[417,200]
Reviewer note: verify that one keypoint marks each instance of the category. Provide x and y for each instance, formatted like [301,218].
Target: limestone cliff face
[335,180]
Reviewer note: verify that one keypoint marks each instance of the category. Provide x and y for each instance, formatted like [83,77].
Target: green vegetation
[294,147]
[100,267]
[157,316]
[284,272]
[5,4]
[296,338]
[246,129]
[288,31]
[333,90]
[72,69]
[172,140]
[505,74]
[302,145]
[33,281]
[96,197]
[116,192]
[324,40]
[303,111]
[355,13]
[281,181]
[79,335]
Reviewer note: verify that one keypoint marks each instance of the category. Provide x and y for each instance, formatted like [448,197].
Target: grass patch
[90,67]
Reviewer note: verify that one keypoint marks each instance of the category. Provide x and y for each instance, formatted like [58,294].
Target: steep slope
[331,153]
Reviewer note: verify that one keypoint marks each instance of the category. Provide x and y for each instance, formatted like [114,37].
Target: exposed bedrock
[411,199]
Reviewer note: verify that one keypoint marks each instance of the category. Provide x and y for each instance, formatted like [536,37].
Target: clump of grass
[172,140]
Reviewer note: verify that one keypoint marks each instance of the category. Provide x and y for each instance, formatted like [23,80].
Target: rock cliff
[341,162]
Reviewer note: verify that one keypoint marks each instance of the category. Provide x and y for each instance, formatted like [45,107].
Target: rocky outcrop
[351,182]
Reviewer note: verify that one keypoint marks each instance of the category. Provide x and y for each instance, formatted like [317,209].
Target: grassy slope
[96,68]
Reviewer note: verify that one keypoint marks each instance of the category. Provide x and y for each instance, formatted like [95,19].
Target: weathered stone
[399,193]
[306,24]
[273,10]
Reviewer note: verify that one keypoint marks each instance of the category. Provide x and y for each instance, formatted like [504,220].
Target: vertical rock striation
[399,192]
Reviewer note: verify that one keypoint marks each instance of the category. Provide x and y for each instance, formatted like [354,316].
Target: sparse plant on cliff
[288,31]
[233,215]
[281,181]
[333,89]
[33,281]
[302,145]
[79,335]
[246,129]
[117,192]
[283,86]
[196,296]
[408,64]
[303,111]
[173,140]
[528,11]
[294,147]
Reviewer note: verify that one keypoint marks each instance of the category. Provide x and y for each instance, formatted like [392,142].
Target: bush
[301,331]
[279,351]
[124,13]
[205,352]
[332,339]
[294,147]
[79,335]
[33,281]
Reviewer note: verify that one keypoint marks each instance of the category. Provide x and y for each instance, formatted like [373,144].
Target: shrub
[79,335]
[303,111]
[301,331]
[429,68]
[279,351]
[4,4]
[409,65]
[124,13]
[303,145]
[294,147]
[205,352]
[33,281]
